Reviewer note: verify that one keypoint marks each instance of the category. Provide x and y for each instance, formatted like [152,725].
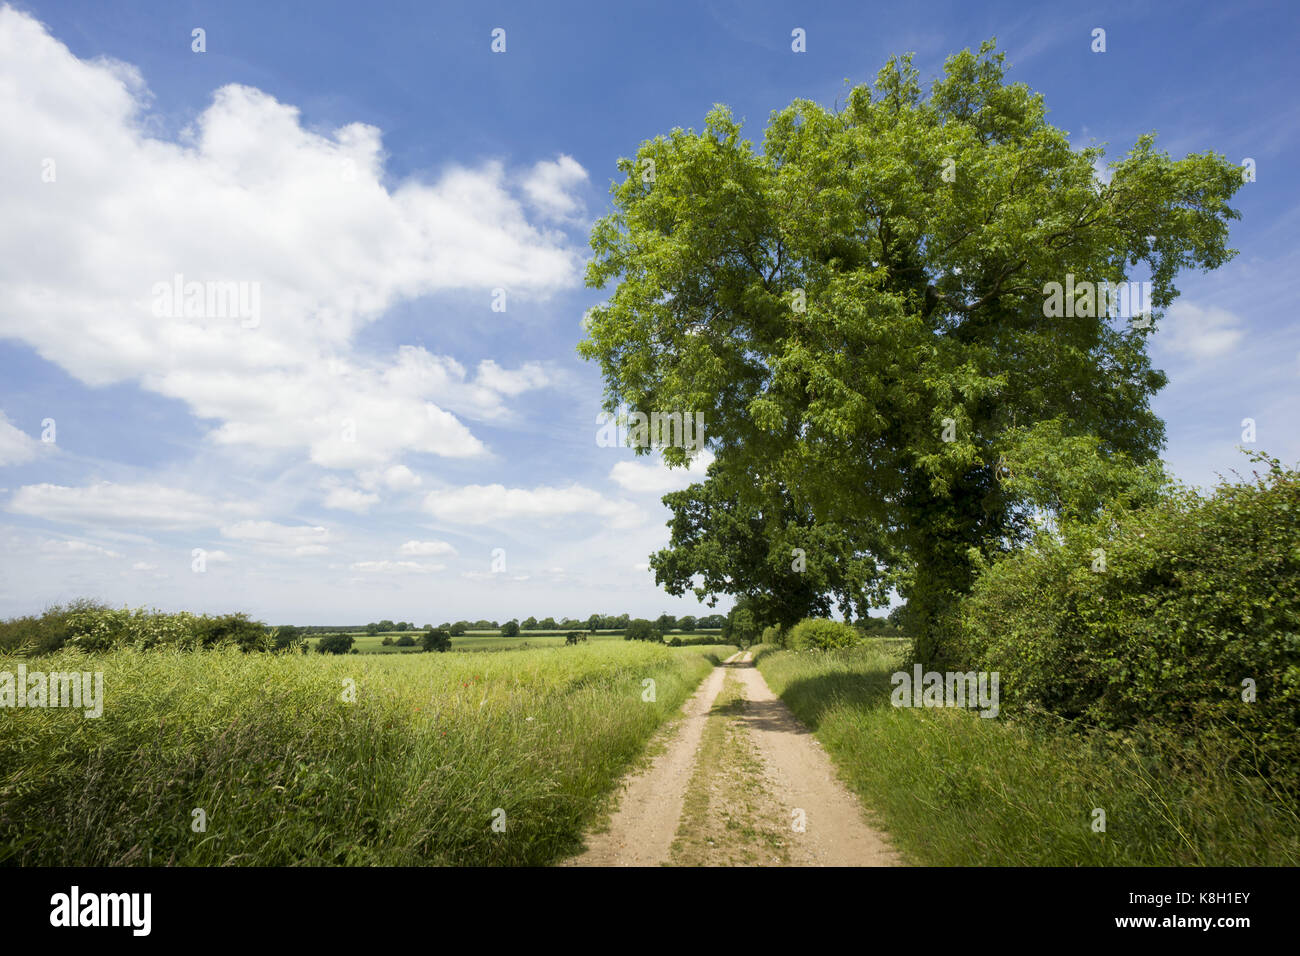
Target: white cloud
[549,188]
[1101,172]
[427,547]
[152,505]
[348,499]
[398,478]
[1199,333]
[84,548]
[16,446]
[296,540]
[352,420]
[360,500]
[396,567]
[497,577]
[415,371]
[493,378]
[654,477]
[248,195]
[483,504]
[144,566]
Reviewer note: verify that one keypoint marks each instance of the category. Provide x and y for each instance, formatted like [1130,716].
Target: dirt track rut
[763,766]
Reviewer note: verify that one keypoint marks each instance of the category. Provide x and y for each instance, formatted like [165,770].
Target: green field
[955,789]
[493,641]
[287,770]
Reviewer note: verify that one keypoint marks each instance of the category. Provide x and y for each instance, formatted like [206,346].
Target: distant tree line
[596,622]
[432,639]
[620,622]
[511,628]
[749,622]
[92,625]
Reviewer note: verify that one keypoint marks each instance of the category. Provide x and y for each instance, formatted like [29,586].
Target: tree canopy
[860,311]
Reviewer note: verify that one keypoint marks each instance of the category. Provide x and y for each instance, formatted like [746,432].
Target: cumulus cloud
[16,446]
[105,503]
[295,540]
[1199,333]
[415,371]
[550,185]
[342,497]
[484,504]
[355,419]
[80,548]
[495,380]
[654,477]
[398,478]
[101,217]
[345,497]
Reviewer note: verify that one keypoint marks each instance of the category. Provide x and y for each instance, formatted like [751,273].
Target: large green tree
[788,565]
[858,308]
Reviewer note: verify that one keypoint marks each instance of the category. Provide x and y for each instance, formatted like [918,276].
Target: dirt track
[741,783]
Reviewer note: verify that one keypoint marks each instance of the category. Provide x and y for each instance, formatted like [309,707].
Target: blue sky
[378,171]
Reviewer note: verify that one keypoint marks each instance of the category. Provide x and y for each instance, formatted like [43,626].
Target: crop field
[222,757]
[494,641]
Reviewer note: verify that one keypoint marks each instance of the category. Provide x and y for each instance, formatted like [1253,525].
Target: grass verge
[955,789]
[431,752]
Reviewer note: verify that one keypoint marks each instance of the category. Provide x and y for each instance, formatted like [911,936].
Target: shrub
[510,629]
[234,629]
[819,634]
[334,644]
[642,630]
[47,632]
[436,639]
[741,626]
[93,627]
[387,642]
[406,640]
[695,640]
[877,627]
[773,635]
[284,635]
[99,628]
[1198,595]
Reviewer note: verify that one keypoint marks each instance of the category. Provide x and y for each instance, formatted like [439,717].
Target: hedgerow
[820,634]
[1183,614]
[90,626]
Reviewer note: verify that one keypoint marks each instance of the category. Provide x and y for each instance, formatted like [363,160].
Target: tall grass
[955,789]
[288,772]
